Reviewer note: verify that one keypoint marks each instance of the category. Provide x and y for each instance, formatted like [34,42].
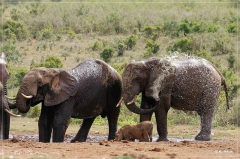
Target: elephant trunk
[130,103]
[21,102]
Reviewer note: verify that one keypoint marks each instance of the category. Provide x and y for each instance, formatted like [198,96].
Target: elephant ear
[161,77]
[63,85]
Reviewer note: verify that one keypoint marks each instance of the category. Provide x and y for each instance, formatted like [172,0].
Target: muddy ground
[26,145]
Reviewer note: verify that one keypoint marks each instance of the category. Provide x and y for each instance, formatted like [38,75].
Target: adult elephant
[183,83]
[5,105]
[90,89]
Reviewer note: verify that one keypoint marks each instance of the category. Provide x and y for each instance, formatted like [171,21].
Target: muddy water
[90,138]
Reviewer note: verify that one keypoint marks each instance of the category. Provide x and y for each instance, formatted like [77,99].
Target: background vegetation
[61,33]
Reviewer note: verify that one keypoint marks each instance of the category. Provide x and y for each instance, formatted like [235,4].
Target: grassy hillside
[134,30]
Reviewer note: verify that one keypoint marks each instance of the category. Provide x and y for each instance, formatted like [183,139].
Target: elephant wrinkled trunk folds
[21,103]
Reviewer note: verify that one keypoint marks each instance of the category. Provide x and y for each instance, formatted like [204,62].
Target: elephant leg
[161,118]
[61,121]
[206,125]
[45,124]
[112,116]
[83,131]
[5,125]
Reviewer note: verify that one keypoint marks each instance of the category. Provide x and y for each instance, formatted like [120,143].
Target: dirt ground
[26,145]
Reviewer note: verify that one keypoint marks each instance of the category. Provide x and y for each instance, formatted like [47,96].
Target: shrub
[14,14]
[50,62]
[171,28]
[115,19]
[212,28]
[53,62]
[45,33]
[232,28]
[153,46]
[107,54]
[148,30]
[221,47]
[131,41]
[14,30]
[231,60]
[119,67]
[11,52]
[34,112]
[183,45]
[189,27]
[96,46]
[16,76]
[152,32]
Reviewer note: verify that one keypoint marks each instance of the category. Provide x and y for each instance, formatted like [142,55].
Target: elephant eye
[40,84]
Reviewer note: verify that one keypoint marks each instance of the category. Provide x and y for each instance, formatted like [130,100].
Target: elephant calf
[141,131]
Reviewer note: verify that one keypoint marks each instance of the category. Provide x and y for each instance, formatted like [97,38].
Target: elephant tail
[223,82]
[226,92]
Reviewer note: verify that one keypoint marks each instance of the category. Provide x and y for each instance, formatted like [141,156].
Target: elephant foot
[162,139]
[203,137]
[77,140]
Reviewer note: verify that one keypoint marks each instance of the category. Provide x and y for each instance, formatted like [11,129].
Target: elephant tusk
[10,113]
[135,97]
[10,98]
[28,97]
[119,103]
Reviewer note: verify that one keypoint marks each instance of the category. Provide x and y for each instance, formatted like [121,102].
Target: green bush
[16,75]
[119,67]
[189,27]
[11,51]
[45,33]
[13,30]
[131,41]
[107,54]
[96,46]
[231,61]
[182,45]
[171,28]
[212,28]
[221,46]
[149,30]
[153,46]
[232,28]
[34,112]
[50,62]
[115,19]
[53,62]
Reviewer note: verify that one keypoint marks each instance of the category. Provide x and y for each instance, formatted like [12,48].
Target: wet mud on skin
[26,145]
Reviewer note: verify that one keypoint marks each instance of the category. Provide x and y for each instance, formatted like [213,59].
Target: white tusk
[6,110]
[28,97]
[119,103]
[10,98]
[135,97]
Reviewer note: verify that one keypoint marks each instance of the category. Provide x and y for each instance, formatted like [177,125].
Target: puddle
[96,138]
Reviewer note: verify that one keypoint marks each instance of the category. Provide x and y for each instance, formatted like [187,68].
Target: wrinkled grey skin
[141,131]
[90,89]
[183,83]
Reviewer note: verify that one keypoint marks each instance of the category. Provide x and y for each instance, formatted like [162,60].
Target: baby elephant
[141,131]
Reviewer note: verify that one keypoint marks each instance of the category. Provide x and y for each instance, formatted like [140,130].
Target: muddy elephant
[181,82]
[141,131]
[90,89]
[5,105]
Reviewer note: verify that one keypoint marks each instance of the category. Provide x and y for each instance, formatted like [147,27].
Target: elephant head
[148,77]
[49,85]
